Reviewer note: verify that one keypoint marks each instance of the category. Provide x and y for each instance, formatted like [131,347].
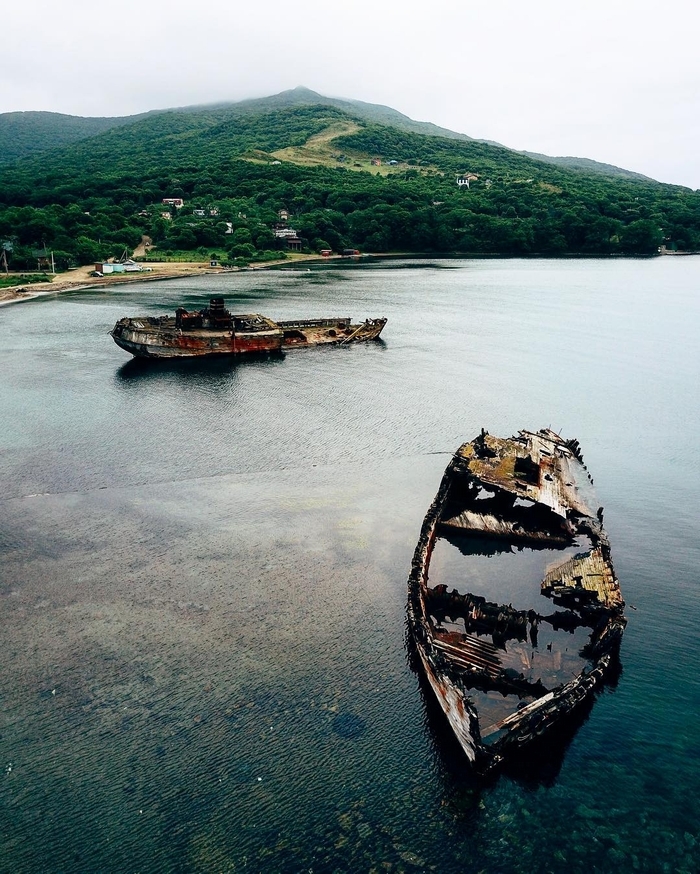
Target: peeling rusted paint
[215,331]
[479,495]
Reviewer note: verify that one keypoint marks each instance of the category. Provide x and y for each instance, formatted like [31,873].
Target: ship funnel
[216,305]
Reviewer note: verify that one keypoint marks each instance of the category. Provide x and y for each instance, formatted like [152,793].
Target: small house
[326,253]
[376,162]
[294,243]
[283,215]
[43,259]
[199,212]
[283,231]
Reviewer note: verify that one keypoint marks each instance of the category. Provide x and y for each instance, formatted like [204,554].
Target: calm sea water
[203,578]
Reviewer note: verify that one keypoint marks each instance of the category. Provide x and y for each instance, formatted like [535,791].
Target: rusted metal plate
[215,331]
[505,676]
[544,474]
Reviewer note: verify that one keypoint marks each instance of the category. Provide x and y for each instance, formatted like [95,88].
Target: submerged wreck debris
[215,331]
[506,675]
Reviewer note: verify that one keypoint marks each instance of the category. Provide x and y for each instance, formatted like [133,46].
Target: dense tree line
[96,198]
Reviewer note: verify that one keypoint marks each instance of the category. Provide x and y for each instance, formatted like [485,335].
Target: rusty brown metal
[215,331]
[522,490]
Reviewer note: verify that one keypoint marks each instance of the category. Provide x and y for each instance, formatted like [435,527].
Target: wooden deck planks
[591,572]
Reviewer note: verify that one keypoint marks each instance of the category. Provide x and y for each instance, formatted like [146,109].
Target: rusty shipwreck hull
[498,685]
[215,331]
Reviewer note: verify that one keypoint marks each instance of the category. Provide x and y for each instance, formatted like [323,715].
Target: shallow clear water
[203,578]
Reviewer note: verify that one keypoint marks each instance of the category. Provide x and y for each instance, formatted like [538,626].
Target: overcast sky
[617,81]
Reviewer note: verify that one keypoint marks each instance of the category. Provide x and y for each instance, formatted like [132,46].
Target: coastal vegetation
[346,181]
[22,279]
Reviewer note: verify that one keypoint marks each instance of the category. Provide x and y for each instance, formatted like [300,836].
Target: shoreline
[43,289]
[164,271]
[181,270]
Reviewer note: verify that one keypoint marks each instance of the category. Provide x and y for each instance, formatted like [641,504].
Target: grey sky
[617,81]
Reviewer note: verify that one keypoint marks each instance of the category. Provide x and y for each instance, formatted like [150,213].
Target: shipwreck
[216,331]
[506,674]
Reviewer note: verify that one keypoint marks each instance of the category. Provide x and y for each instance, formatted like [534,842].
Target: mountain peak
[302,89]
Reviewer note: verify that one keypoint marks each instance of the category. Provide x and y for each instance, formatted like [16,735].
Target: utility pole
[53,266]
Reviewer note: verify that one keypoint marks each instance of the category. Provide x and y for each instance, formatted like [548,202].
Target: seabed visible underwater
[203,575]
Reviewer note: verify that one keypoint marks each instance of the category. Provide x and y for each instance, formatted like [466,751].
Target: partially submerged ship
[515,514]
[216,331]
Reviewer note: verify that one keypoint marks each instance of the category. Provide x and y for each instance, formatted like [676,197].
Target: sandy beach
[73,280]
[79,278]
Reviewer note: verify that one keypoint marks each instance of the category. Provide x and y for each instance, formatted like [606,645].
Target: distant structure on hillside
[282,231]
[464,180]
[177,202]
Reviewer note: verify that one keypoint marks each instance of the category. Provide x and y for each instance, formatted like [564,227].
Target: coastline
[75,280]
[44,289]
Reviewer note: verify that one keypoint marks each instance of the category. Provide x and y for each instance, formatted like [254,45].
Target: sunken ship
[216,331]
[511,520]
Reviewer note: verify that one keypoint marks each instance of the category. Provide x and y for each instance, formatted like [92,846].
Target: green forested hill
[171,138]
[97,196]
[372,113]
[23,134]
[30,133]
[588,166]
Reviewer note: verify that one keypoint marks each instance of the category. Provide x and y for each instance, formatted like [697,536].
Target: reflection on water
[210,367]
[204,565]
[488,605]
[538,766]
[186,370]
[473,544]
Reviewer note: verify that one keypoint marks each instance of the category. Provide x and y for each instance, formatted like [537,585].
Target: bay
[203,578]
